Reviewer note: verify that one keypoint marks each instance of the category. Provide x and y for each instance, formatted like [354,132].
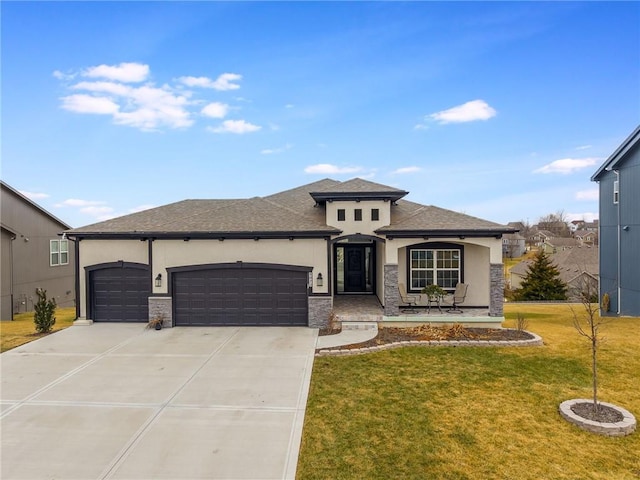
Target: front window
[58,252]
[434,266]
[357,214]
[341,215]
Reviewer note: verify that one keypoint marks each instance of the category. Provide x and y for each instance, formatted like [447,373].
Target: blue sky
[499,110]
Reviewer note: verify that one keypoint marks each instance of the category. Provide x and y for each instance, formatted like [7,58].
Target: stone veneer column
[320,311]
[496,293]
[161,306]
[391,294]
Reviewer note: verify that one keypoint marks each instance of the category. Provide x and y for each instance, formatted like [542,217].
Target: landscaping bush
[45,310]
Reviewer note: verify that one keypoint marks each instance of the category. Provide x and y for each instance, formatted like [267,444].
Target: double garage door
[240,294]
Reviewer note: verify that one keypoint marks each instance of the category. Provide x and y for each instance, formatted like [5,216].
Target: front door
[354,268]
[354,274]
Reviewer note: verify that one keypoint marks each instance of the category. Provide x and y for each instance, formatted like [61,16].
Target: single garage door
[120,294]
[241,295]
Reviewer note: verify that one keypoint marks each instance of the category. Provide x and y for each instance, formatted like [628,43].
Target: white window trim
[58,251]
[435,268]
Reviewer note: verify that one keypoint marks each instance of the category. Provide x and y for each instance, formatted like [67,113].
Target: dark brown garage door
[120,294]
[240,294]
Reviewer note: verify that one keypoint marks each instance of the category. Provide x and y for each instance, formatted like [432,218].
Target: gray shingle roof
[291,211]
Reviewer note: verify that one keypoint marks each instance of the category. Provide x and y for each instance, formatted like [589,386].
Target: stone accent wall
[320,311]
[391,294]
[161,306]
[496,293]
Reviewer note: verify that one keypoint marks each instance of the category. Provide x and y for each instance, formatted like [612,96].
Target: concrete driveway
[117,401]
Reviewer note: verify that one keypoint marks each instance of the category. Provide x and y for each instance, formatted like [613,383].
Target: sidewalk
[352,332]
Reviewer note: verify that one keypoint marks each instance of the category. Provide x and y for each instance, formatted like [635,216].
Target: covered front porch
[367,308]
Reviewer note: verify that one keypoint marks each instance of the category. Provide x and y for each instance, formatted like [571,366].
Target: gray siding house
[33,255]
[619,183]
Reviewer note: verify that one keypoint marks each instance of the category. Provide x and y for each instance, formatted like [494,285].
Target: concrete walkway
[352,332]
[116,401]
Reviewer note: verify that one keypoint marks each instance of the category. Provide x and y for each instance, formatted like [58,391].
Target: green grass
[22,329]
[473,413]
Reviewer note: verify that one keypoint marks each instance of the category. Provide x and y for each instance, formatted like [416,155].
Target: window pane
[341,214]
[54,259]
[54,246]
[64,258]
[64,245]
[358,214]
[375,214]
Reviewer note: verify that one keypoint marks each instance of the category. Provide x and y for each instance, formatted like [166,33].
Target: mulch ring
[387,335]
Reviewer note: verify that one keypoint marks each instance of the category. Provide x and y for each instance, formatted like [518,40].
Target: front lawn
[473,413]
[22,329]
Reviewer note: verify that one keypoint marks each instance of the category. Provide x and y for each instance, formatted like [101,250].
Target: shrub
[45,309]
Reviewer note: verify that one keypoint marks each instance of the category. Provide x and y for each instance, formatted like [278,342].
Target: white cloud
[235,126]
[404,170]
[82,103]
[76,202]
[125,72]
[223,82]
[289,105]
[97,211]
[592,194]
[421,126]
[326,168]
[63,76]
[34,195]
[467,112]
[567,165]
[146,106]
[216,110]
[584,147]
[271,151]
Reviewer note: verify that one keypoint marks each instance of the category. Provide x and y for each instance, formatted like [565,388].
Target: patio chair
[454,301]
[408,300]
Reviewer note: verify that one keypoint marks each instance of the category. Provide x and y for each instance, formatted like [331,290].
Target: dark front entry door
[354,270]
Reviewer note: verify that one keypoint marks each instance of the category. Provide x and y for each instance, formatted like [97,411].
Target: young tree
[588,325]
[44,312]
[542,281]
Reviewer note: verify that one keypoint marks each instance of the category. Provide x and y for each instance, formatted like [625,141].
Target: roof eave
[257,235]
[460,233]
[618,154]
[358,196]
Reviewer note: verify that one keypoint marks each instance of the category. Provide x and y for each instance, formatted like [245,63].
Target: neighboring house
[586,237]
[34,255]
[538,237]
[619,183]
[513,245]
[558,244]
[281,259]
[578,268]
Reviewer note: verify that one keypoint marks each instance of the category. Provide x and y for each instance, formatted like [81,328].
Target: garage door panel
[120,294]
[241,296]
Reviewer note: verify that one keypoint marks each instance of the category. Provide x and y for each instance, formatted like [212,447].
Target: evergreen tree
[45,310]
[542,281]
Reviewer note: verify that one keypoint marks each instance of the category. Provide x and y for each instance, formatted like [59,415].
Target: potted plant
[434,291]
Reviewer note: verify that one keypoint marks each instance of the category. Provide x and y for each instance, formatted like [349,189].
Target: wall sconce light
[159,280]
[319,280]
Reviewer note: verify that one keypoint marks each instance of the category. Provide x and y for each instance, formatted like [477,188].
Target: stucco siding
[301,252]
[366,226]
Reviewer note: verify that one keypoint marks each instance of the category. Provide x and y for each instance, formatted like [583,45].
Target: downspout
[13,237]
[617,172]
[76,247]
